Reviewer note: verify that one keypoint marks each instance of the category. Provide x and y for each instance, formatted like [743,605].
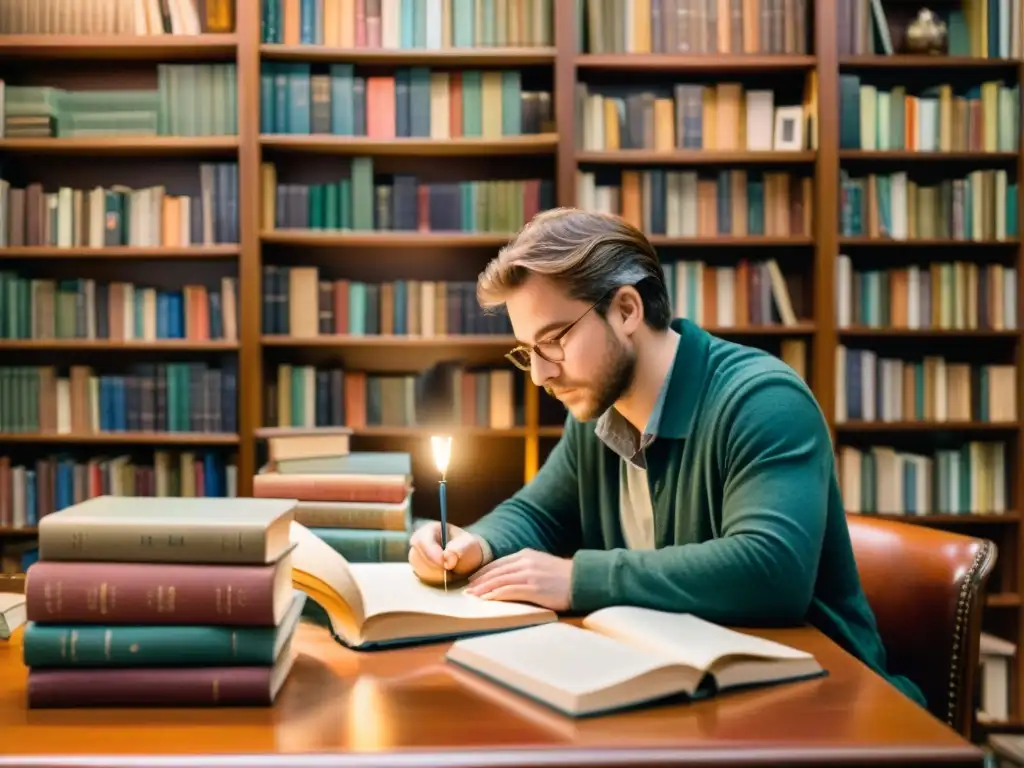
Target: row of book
[970,479]
[190,397]
[871,386]
[189,100]
[722,116]
[984,30]
[751,293]
[736,203]
[299,302]
[404,24]
[116,17]
[363,201]
[116,215]
[692,26]
[981,205]
[31,490]
[981,118]
[413,102]
[445,395]
[943,295]
[37,308]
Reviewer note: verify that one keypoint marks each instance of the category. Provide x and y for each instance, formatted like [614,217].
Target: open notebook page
[683,636]
[394,587]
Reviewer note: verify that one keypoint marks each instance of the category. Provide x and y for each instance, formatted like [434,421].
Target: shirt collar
[672,415]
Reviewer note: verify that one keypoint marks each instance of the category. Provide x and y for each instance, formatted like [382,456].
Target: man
[694,474]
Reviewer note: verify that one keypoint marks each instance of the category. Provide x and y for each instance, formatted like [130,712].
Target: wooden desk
[409,708]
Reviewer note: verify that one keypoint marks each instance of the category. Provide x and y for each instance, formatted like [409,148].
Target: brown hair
[588,253]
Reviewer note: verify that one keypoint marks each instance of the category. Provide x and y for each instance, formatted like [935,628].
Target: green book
[61,645]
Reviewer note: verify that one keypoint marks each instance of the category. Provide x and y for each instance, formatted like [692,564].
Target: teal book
[379,605]
[354,463]
[624,657]
[79,645]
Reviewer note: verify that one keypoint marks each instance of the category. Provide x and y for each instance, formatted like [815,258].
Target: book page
[683,637]
[559,660]
[395,588]
[318,559]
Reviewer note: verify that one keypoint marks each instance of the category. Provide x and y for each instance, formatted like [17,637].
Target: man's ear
[628,308]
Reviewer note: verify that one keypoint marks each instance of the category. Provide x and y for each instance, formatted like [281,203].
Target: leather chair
[926,588]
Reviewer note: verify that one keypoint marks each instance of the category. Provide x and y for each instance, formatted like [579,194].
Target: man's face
[597,361]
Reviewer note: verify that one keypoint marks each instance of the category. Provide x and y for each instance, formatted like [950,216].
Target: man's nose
[541,370]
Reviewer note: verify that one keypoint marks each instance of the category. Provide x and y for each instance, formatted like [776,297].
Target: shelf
[888,242]
[124,438]
[656,62]
[460,57]
[150,146]
[134,345]
[122,252]
[426,432]
[911,156]
[910,61]
[156,48]
[926,333]
[800,329]
[926,426]
[390,341]
[389,239]
[535,144]
[693,157]
[726,241]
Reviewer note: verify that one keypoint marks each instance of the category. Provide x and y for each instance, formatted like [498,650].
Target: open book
[382,604]
[626,656]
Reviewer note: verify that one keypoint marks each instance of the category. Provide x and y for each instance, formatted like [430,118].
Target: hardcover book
[626,656]
[168,529]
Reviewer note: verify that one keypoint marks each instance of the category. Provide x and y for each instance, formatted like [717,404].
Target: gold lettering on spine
[104,595]
[162,598]
[216,690]
[74,644]
[234,643]
[53,597]
[64,644]
[107,635]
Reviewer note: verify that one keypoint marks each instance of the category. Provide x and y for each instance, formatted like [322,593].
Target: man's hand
[527,576]
[461,557]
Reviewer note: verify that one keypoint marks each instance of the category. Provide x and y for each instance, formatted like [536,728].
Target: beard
[612,379]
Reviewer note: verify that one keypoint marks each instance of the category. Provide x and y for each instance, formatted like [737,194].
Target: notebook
[626,656]
[384,604]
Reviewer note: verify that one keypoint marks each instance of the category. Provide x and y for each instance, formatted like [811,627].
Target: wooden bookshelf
[501,459]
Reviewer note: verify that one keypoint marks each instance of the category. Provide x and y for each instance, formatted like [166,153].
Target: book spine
[130,593]
[65,646]
[159,541]
[327,488]
[164,687]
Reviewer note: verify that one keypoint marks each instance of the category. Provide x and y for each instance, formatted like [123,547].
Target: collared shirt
[636,509]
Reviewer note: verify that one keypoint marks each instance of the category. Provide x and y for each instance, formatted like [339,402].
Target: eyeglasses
[549,349]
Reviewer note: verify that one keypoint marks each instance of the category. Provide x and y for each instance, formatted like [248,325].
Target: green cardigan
[750,526]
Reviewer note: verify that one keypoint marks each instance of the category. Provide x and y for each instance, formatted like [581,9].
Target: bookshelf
[299,213]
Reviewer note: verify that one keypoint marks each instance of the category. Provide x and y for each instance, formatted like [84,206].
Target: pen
[444,530]
[442,454]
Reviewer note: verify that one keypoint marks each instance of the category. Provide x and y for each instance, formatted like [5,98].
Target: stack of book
[162,602]
[358,502]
